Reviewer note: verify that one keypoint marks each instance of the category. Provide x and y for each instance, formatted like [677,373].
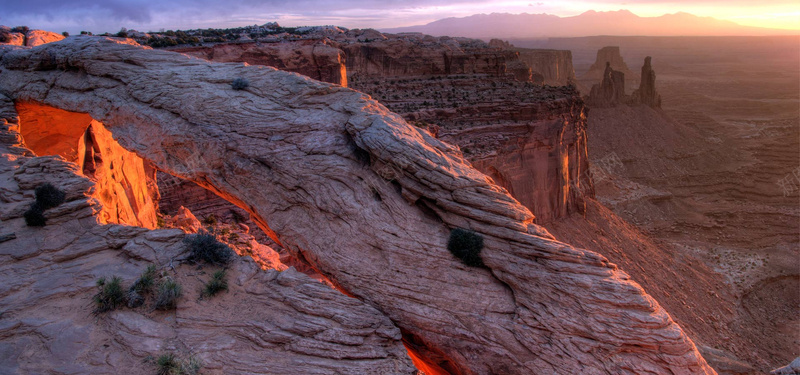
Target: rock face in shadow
[268,322]
[369,201]
[610,92]
[646,94]
[554,66]
[607,56]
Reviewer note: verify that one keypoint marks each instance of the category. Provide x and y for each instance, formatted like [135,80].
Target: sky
[100,16]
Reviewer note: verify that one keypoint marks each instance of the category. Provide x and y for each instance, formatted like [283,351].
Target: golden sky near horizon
[110,16]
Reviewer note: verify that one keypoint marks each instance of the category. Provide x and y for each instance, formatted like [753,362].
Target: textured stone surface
[369,201]
[268,322]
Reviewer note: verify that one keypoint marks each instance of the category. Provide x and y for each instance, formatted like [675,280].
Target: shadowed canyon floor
[715,175]
[308,161]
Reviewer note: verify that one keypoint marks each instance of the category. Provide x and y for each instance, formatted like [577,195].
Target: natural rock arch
[337,178]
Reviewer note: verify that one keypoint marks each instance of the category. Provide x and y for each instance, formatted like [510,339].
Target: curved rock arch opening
[124,182]
[281,149]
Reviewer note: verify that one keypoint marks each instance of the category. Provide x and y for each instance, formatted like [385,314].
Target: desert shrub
[20,29]
[170,364]
[109,296]
[48,196]
[168,293]
[217,284]
[210,219]
[143,285]
[206,248]
[466,245]
[65,34]
[240,84]
[146,281]
[5,37]
[34,216]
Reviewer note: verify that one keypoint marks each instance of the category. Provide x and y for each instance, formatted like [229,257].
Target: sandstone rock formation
[321,54]
[316,59]
[646,94]
[610,91]
[35,38]
[268,322]
[554,66]
[31,38]
[124,183]
[369,201]
[607,56]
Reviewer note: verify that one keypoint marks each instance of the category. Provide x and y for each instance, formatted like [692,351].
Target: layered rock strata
[531,140]
[336,55]
[369,201]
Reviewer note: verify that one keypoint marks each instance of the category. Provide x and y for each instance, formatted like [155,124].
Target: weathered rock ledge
[369,201]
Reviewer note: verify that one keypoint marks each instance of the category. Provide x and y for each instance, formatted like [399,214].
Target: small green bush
[217,284]
[206,248]
[109,296]
[143,285]
[48,196]
[170,364]
[466,245]
[34,216]
[146,281]
[210,220]
[240,84]
[168,293]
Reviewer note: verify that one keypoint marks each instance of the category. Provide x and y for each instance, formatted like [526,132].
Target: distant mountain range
[621,22]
